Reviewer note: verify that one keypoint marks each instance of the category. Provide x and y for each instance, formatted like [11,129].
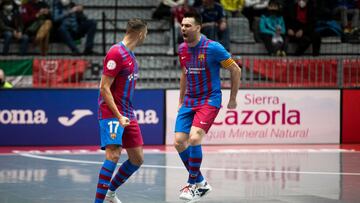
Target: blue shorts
[111,132]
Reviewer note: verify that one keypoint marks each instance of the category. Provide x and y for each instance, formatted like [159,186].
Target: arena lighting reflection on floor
[237,174]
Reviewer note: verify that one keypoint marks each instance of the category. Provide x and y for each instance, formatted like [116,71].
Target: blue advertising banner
[69,117]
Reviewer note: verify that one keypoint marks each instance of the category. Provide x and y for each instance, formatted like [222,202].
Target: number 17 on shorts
[111,132]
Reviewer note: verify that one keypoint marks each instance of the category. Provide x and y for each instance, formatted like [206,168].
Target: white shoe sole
[184,198]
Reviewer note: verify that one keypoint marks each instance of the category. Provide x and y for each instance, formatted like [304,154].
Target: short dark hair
[274,3]
[135,24]
[194,14]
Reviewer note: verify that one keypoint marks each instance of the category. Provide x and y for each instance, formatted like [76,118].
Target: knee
[194,140]
[138,160]
[7,35]
[25,38]
[195,137]
[179,144]
[113,155]
[62,29]
[48,23]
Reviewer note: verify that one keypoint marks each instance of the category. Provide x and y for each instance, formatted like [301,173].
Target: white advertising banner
[270,116]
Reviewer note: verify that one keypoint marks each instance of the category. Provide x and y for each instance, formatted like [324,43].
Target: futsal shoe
[187,193]
[200,192]
[111,197]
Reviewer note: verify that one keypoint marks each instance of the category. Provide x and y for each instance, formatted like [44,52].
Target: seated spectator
[272,30]
[163,11]
[300,23]
[3,82]
[233,8]
[36,17]
[252,10]
[178,13]
[71,24]
[11,27]
[214,22]
[326,24]
[348,8]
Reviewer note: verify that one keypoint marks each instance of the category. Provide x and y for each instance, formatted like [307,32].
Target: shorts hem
[133,146]
[198,126]
[104,146]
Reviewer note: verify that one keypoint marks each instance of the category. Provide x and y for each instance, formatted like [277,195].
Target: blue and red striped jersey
[202,67]
[120,63]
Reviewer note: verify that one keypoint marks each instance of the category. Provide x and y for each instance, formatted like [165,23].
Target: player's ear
[198,27]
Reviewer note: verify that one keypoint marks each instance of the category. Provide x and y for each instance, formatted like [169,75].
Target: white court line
[182,168]
[156,151]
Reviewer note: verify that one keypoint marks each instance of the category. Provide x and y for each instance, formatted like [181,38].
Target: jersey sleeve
[112,62]
[219,52]
[182,55]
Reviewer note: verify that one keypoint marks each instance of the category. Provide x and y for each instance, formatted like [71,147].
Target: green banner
[18,72]
[17,67]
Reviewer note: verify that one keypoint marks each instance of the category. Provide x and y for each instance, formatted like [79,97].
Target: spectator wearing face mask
[11,27]
[272,30]
[71,24]
[300,22]
[3,82]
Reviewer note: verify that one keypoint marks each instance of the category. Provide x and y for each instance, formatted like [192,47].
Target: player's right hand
[124,121]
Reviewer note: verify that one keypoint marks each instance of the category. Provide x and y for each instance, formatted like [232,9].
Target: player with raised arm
[200,99]
[118,125]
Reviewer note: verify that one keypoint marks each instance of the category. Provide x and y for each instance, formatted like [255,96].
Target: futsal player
[118,125]
[200,99]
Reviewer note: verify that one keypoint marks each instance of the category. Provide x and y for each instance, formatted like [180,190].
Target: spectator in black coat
[12,27]
[72,24]
[300,22]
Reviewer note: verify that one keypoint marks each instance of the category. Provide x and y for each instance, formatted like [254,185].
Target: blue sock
[184,155]
[124,172]
[105,175]
[195,159]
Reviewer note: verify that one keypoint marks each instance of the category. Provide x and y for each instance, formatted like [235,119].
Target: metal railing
[164,72]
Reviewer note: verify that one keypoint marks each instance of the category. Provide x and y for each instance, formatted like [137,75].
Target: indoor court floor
[238,174]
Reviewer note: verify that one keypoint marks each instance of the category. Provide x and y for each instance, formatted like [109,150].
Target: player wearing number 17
[118,126]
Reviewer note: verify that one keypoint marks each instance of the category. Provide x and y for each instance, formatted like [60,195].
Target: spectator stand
[159,70]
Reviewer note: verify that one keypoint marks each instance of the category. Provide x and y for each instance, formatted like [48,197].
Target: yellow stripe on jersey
[227,63]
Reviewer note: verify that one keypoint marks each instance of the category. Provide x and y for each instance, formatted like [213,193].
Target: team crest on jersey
[113,135]
[201,57]
[111,65]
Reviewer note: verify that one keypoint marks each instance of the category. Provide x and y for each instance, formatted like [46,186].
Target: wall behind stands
[69,117]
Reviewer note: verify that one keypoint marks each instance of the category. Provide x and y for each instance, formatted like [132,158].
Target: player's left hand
[232,104]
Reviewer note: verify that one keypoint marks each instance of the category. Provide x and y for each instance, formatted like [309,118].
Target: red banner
[295,72]
[351,72]
[58,72]
[351,117]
